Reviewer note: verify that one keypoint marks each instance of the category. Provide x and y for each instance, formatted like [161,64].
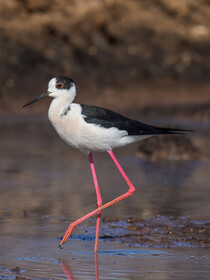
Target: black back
[107,119]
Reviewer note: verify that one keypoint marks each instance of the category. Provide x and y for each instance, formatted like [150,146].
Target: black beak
[37,99]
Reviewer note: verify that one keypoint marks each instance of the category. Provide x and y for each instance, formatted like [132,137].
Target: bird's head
[58,87]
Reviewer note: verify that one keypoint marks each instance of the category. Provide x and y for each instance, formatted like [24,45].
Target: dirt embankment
[162,232]
[112,44]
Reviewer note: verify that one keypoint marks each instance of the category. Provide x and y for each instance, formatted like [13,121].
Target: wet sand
[161,232]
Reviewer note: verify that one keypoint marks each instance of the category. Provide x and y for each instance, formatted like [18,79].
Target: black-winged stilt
[89,129]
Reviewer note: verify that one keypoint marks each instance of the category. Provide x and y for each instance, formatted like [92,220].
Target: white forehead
[52,84]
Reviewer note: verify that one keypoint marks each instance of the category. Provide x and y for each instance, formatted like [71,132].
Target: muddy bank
[112,48]
[161,232]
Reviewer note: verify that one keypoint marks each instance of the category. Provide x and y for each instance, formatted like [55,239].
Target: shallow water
[38,258]
[46,184]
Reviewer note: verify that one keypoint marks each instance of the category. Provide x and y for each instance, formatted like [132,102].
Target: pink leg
[99,199]
[98,210]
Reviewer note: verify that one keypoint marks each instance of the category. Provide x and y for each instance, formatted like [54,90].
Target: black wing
[107,119]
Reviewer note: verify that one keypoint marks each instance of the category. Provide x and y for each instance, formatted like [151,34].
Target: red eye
[59,85]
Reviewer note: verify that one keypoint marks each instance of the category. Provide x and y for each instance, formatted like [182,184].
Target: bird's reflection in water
[68,272]
[96,266]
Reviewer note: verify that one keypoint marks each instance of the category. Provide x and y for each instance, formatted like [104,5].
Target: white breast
[82,135]
[66,125]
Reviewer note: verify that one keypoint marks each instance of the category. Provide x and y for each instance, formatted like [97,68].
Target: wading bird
[90,129]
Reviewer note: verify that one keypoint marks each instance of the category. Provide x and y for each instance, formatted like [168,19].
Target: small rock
[171,147]
[16,269]
[132,220]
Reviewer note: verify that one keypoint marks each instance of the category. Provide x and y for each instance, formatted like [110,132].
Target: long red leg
[99,199]
[127,194]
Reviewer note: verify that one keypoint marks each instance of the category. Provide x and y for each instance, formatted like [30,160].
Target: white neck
[60,102]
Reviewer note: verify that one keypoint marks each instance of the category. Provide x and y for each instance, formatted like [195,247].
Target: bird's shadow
[85,237]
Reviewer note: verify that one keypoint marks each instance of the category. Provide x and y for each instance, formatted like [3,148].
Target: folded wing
[107,119]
